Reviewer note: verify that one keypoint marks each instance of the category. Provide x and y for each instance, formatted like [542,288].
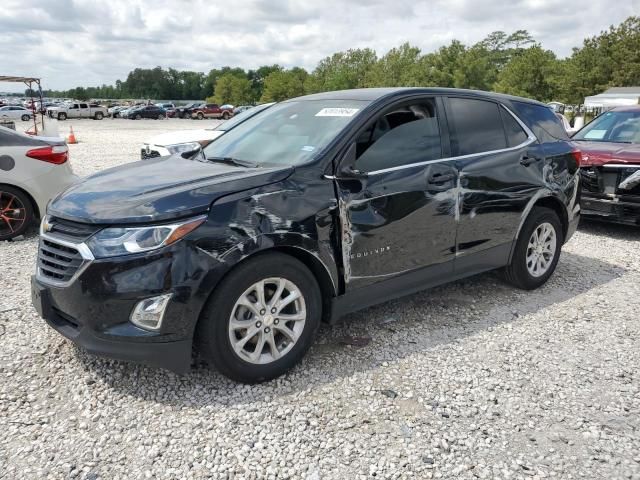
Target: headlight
[182,147]
[112,242]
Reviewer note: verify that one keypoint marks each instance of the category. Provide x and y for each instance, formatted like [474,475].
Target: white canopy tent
[614,97]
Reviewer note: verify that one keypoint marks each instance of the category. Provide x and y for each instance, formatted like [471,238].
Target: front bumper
[612,208]
[150,150]
[93,310]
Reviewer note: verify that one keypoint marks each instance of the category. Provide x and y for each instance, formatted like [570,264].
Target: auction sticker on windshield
[337,112]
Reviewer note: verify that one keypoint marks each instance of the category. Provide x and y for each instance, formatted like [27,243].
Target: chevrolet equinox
[320,206]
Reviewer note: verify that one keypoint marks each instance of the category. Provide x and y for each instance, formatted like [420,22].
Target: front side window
[288,133]
[478,126]
[402,136]
[619,127]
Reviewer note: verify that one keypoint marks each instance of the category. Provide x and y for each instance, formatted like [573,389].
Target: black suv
[319,206]
[186,110]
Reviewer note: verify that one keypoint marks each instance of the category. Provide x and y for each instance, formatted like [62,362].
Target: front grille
[57,262]
[590,179]
[144,154]
[70,231]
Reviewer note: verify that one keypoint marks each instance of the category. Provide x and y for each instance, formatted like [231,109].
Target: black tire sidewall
[519,262]
[62,116]
[213,334]
[26,118]
[28,205]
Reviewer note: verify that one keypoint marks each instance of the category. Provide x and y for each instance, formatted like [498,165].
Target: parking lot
[471,380]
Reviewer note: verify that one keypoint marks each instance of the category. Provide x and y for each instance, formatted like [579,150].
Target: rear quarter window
[542,121]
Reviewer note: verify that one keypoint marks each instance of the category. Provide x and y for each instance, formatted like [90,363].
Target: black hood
[157,190]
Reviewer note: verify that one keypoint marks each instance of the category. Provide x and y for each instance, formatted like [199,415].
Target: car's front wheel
[262,319]
[25,118]
[537,250]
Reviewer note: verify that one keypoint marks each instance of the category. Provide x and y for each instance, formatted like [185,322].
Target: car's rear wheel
[98,116]
[25,118]
[225,115]
[537,250]
[262,319]
[160,116]
[138,116]
[62,116]
[16,213]
[200,115]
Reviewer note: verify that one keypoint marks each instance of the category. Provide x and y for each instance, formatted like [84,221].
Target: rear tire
[200,116]
[265,319]
[14,205]
[537,250]
[161,117]
[225,115]
[138,116]
[98,116]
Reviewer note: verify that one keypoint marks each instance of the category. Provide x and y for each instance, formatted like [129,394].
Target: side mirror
[190,153]
[347,165]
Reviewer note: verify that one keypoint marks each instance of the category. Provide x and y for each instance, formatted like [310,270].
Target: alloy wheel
[541,249]
[267,320]
[13,214]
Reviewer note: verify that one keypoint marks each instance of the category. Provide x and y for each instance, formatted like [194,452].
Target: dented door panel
[396,222]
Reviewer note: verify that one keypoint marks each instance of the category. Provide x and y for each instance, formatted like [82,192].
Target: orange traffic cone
[72,137]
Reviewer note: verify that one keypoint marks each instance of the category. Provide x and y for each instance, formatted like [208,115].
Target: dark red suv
[610,168]
[212,110]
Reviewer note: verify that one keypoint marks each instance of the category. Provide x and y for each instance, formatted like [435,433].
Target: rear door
[84,110]
[500,165]
[398,216]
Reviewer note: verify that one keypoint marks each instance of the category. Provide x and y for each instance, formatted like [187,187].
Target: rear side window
[478,126]
[542,121]
[515,134]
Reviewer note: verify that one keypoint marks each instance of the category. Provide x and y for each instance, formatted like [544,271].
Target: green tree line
[512,63]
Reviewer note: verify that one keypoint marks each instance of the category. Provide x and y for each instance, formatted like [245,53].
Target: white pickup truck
[77,110]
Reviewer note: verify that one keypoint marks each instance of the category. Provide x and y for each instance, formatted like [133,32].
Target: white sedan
[14,112]
[190,140]
[32,171]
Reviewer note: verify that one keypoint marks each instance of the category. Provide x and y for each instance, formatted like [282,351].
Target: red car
[212,110]
[610,167]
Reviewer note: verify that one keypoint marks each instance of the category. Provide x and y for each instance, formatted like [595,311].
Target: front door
[401,216]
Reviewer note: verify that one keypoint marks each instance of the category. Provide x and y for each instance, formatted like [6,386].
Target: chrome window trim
[83,250]
[531,138]
[620,165]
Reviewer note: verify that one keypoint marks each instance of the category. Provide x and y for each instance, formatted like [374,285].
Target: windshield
[618,127]
[238,118]
[288,133]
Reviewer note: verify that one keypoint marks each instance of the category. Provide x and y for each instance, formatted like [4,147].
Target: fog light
[148,313]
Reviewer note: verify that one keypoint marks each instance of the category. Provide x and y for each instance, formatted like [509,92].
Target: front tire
[26,118]
[138,117]
[200,116]
[537,250]
[62,116]
[261,320]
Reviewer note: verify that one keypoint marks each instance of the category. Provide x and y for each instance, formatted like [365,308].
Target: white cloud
[85,42]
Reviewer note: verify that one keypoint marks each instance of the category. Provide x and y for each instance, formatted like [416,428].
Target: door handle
[440,177]
[527,160]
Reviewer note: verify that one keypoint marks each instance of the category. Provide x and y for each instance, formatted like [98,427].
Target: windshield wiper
[233,161]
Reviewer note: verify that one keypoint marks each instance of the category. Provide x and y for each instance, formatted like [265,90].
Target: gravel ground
[470,380]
